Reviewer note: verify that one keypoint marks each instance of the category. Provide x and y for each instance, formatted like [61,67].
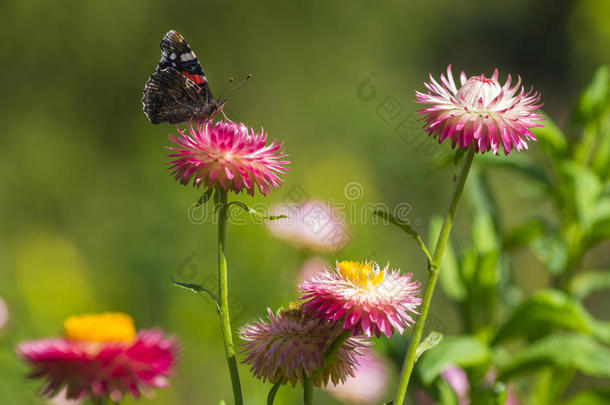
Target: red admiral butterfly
[178,91]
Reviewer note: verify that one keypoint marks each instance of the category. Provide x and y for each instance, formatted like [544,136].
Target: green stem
[223,295]
[433,267]
[272,392]
[332,351]
[308,390]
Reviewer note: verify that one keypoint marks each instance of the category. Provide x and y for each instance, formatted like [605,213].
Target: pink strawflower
[101,356]
[292,345]
[228,155]
[312,225]
[481,112]
[370,383]
[366,298]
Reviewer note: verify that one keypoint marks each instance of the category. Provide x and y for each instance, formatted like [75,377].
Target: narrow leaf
[433,339]
[583,284]
[564,351]
[596,397]
[196,288]
[548,310]
[405,228]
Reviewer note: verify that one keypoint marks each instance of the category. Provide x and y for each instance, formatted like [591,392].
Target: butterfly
[178,91]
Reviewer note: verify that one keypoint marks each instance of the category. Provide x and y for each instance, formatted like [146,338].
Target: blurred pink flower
[370,383]
[481,112]
[312,267]
[101,356]
[366,298]
[291,345]
[4,315]
[458,380]
[312,225]
[228,155]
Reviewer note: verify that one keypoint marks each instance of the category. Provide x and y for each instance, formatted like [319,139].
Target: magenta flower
[370,383]
[228,155]
[291,345]
[481,112]
[101,356]
[366,298]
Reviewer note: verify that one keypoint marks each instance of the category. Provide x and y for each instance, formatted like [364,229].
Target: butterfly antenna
[238,85]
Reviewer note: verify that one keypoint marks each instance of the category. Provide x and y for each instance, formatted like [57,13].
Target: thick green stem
[433,267]
[223,295]
[308,391]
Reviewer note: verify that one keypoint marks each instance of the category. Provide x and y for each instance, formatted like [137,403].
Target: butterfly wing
[171,97]
[176,53]
[178,91]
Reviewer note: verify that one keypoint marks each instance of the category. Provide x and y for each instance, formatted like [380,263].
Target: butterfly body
[178,90]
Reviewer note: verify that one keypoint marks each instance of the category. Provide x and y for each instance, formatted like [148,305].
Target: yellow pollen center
[106,327]
[360,273]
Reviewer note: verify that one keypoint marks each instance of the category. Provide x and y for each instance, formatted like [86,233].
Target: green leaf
[449,272]
[256,213]
[594,397]
[584,283]
[600,231]
[196,288]
[446,395]
[551,138]
[581,189]
[405,228]
[547,310]
[525,233]
[563,351]
[432,340]
[463,351]
[552,251]
[205,197]
[594,99]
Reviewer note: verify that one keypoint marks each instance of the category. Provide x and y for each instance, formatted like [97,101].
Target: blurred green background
[92,220]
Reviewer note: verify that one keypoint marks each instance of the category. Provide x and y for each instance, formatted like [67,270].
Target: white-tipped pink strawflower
[228,155]
[292,345]
[370,383]
[365,298]
[481,112]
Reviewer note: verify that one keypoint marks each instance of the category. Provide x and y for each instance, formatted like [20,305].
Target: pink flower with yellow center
[292,345]
[480,112]
[101,356]
[227,155]
[367,299]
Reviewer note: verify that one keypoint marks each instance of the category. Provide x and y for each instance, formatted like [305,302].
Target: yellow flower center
[360,273]
[106,327]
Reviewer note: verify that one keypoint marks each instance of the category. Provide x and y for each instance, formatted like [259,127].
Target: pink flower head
[101,356]
[228,155]
[368,299]
[312,225]
[481,112]
[370,383]
[291,345]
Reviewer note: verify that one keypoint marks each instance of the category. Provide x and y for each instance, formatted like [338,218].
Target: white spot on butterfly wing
[185,57]
[173,56]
